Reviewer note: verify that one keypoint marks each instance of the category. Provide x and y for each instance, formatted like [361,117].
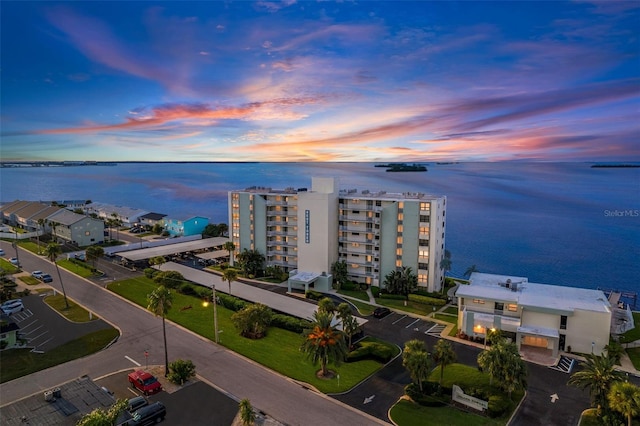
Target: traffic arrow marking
[554,398]
[369,399]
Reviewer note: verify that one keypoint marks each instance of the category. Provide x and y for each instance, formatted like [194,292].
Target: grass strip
[279,350]
[74,312]
[407,413]
[16,363]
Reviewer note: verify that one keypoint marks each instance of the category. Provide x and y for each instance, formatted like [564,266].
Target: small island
[594,166]
[403,167]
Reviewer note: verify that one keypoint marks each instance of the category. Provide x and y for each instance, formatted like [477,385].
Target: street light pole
[215,312]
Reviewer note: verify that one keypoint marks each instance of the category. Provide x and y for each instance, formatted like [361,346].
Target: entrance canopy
[539,331]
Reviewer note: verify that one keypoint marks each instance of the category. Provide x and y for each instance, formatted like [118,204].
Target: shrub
[150,272]
[314,295]
[386,295]
[286,322]
[435,295]
[428,396]
[230,302]
[375,291]
[426,300]
[498,405]
[349,285]
[180,371]
[371,350]
[187,289]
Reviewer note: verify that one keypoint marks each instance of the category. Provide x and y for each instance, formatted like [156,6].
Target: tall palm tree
[624,397]
[247,415]
[416,359]
[470,270]
[52,251]
[41,223]
[598,374]
[324,343]
[117,223]
[230,247]
[229,275]
[160,301]
[444,355]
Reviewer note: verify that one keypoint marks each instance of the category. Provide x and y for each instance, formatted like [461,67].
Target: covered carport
[172,249]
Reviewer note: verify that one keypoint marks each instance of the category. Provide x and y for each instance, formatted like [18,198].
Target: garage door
[539,342]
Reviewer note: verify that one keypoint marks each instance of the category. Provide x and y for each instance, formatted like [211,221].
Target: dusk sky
[320,81]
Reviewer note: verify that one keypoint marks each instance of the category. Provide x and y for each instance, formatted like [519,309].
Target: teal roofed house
[184,228]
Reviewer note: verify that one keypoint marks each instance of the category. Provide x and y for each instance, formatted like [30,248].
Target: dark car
[381,312]
[46,278]
[149,414]
[136,403]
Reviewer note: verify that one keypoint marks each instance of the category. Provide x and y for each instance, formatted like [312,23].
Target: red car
[144,382]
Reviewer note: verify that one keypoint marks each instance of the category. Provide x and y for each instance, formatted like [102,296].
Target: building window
[479,301]
[563,322]
[499,306]
[512,307]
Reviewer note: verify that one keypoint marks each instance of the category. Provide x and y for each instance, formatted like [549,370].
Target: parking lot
[196,403]
[43,328]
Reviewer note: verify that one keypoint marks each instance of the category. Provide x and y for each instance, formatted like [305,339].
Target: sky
[320,81]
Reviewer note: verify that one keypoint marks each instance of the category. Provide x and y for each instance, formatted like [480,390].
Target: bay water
[555,223]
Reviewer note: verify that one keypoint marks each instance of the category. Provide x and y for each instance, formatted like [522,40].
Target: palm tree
[624,397]
[444,355]
[230,247]
[229,275]
[326,305]
[598,374]
[94,253]
[247,415]
[470,270]
[160,303]
[416,359]
[41,223]
[52,251]
[323,342]
[116,222]
[340,272]
[401,281]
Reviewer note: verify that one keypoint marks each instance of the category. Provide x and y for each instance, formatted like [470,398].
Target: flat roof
[166,250]
[533,295]
[216,254]
[77,398]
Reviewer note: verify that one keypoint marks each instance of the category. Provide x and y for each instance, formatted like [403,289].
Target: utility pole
[215,312]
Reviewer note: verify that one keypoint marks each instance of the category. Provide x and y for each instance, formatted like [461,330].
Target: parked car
[37,274]
[14,260]
[145,382]
[1,252]
[80,256]
[13,308]
[135,403]
[381,312]
[10,302]
[46,278]
[149,414]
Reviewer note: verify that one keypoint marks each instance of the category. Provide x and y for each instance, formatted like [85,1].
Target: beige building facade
[552,317]
[306,231]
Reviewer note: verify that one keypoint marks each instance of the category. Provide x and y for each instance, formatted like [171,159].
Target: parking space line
[33,331]
[45,342]
[38,336]
[22,328]
[133,360]
[400,319]
[418,320]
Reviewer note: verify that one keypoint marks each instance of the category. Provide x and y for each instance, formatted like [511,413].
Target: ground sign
[458,395]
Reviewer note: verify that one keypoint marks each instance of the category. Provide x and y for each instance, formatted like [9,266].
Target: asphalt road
[275,395]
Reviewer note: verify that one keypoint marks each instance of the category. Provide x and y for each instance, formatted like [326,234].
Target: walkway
[285,304]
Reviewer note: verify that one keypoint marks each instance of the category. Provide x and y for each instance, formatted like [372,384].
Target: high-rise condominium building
[306,231]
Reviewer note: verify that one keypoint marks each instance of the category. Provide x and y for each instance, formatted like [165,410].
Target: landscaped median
[439,408]
[279,350]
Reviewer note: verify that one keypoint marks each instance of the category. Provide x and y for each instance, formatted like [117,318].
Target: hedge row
[286,322]
[426,300]
[371,350]
[313,295]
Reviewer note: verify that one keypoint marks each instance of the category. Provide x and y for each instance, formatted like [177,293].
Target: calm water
[556,223]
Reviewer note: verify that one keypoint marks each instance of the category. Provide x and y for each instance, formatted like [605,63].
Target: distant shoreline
[600,166]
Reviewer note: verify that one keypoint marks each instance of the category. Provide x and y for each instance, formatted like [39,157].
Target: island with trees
[403,167]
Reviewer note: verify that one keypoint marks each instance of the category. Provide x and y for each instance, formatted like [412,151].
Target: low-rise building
[553,317]
[75,228]
[184,228]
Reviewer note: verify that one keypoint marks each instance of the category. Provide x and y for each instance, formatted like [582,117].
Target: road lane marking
[133,361]
[413,323]
[400,319]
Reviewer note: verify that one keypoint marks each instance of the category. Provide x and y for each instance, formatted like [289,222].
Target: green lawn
[448,318]
[29,280]
[634,355]
[16,363]
[365,309]
[8,267]
[406,413]
[634,334]
[75,313]
[413,307]
[83,271]
[358,294]
[279,350]
[451,310]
